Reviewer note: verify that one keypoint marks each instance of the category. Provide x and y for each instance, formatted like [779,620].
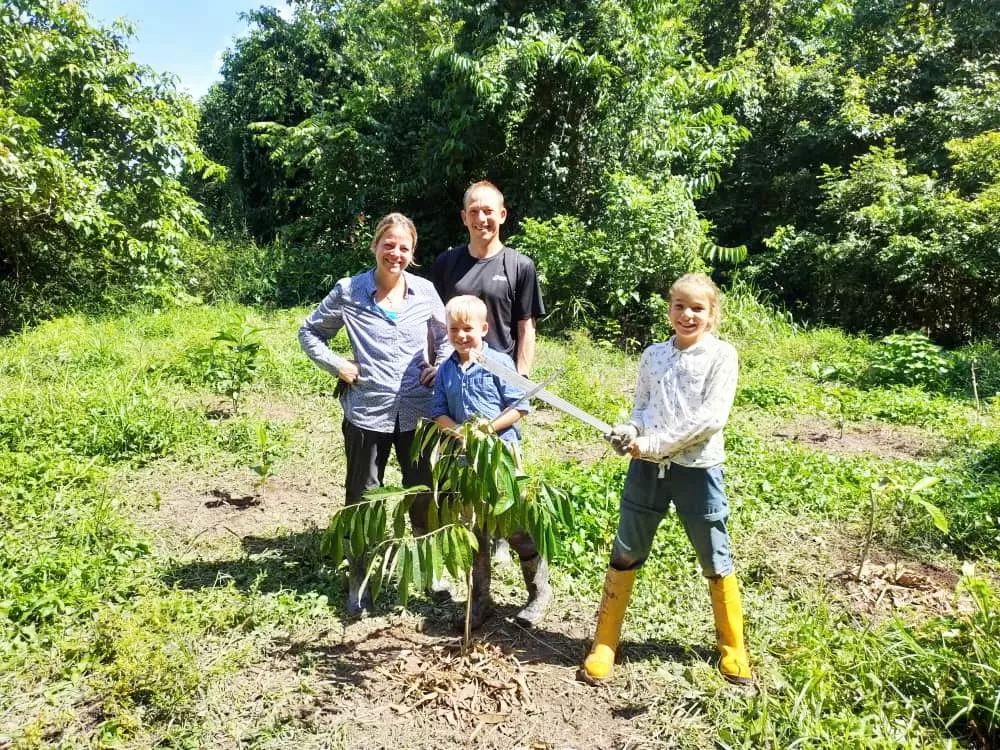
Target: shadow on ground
[293,562]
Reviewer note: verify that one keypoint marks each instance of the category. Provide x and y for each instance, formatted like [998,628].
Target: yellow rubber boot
[599,665]
[734,664]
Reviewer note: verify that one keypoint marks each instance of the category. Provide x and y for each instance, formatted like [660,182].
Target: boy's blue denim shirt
[476,392]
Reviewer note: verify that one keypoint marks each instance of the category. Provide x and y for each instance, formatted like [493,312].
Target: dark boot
[482,604]
[536,579]
[358,601]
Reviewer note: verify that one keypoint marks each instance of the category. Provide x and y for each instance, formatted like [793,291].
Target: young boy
[465,390]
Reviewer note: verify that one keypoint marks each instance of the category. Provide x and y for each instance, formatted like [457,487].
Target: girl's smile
[690,315]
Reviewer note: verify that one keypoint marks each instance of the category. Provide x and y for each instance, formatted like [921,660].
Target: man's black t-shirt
[508,300]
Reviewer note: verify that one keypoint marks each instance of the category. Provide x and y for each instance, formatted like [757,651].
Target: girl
[395,323]
[683,396]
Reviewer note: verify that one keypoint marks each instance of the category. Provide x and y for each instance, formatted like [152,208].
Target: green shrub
[975,371]
[892,248]
[65,547]
[908,359]
[612,276]
[231,270]
[228,363]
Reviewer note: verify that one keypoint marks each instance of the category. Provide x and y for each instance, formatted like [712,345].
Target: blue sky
[183,37]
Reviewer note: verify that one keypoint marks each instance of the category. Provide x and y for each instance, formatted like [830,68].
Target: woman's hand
[427,375]
[349,372]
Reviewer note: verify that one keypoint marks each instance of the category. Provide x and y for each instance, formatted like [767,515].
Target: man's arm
[525,346]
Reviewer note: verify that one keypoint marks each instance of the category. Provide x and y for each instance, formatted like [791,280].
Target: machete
[538,391]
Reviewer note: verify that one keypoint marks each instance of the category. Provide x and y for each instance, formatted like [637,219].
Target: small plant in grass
[267,453]
[905,500]
[476,488]
[229,363]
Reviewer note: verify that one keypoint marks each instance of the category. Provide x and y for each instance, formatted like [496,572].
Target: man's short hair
[481,185]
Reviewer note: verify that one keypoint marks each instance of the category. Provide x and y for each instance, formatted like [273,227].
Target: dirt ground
[397,679]
[892,441]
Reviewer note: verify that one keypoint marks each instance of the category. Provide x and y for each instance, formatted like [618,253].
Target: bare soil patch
[541,427]
[203,514]
[891,441]
[382,683]
[887,584]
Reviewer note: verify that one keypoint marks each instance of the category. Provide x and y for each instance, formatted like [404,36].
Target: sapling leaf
[433,522]
[936,515]
[405,574]
[398,522]
[358,544]
[924,484]
[505,500]
[390,493]
[437,558]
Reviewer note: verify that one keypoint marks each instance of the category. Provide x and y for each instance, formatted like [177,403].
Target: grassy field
[165,478]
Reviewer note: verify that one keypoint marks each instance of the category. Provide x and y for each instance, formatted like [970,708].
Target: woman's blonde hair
[466,309]
[702,283]
[389,221]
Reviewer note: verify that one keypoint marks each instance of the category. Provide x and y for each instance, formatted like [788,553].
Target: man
[500,276]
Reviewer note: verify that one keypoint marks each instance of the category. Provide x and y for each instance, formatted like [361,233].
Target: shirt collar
[369,278]
[705,342]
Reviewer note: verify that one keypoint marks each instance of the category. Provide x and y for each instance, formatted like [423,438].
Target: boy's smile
[466,336]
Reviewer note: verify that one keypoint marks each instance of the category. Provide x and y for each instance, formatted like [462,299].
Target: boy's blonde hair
[481,185]
[466,309]
[704,284]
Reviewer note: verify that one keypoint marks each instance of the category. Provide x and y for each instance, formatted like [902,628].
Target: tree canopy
[847,151]
[92,147]
[867,194]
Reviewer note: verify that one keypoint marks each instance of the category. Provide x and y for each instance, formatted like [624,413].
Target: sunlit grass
[85,603]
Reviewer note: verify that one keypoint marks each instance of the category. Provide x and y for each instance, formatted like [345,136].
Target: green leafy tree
[905,251]
[279,72]
[553,101]
[867,181]
[477,491]
[612,276]
[92,147]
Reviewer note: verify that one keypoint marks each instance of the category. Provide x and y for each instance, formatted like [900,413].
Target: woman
[395,323]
